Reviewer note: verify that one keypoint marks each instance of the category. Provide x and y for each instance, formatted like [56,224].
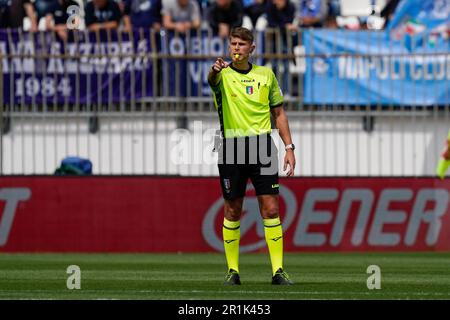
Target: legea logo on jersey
[249,89]
[250,219]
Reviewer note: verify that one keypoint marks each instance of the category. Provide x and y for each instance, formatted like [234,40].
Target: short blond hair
[242,33]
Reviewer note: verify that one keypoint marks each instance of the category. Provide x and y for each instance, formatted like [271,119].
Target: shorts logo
[227,185]
[249,89]
[274,186]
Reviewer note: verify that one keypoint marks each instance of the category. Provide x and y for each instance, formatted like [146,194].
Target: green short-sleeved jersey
[243,100]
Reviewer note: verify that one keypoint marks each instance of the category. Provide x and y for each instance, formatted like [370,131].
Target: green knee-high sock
[231,236]
[274,238]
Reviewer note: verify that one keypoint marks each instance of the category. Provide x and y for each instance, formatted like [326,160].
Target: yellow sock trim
[231,236]
[274,238]
[272,222]
[231,224]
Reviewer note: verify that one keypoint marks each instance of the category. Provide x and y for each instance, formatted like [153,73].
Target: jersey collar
[242,71]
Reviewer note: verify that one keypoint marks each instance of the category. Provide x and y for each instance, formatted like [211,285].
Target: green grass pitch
[200,276]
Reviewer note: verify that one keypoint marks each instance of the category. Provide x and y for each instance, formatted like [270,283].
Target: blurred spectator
[102,14]
[334,7]
[389,10]
[281,14]
[334,11]
[224,15]
[203,5]
[57,18]
[13,12]
[181,15]
[43,7]
[313,13]
[253,9]
[142,14]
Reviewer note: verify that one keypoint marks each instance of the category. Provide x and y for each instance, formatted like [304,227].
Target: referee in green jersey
[245,96]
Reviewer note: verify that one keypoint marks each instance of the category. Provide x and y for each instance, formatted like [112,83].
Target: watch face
[291,146]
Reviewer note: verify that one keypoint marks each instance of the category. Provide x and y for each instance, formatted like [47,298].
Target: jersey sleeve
[215,86]
[275,93]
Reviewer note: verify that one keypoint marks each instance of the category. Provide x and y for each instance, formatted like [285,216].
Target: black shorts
[248,160]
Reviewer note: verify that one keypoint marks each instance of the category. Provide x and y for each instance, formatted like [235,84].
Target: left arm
[282,124]
[195,17]
[29,10]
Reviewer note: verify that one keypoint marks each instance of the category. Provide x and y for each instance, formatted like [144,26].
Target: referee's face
[239,49]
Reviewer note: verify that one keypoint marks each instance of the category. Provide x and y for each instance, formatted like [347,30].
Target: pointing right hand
[219,65]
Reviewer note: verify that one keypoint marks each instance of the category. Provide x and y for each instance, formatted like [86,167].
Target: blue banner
[420,22]
[371,68]
[421,15]
[88,69]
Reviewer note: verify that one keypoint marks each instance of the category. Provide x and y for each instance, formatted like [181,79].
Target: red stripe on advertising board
[170,214]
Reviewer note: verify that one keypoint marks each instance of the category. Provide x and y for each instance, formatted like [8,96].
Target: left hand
[289,159]
[34,27]
[62,34]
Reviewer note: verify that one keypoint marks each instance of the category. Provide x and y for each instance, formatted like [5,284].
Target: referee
[245,95]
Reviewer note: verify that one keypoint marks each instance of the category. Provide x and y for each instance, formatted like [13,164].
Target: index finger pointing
[222,63]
